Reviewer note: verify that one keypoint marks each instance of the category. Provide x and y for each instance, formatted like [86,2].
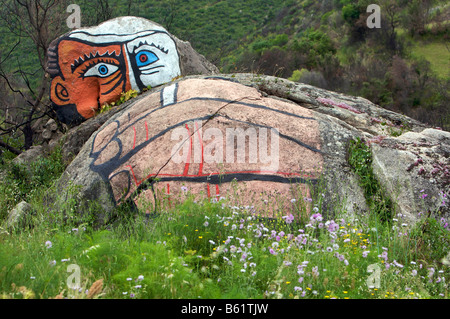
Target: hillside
[403,66]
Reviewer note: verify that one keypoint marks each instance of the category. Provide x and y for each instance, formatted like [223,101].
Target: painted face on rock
[94,69]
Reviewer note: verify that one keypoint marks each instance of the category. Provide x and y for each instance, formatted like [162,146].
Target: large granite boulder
[257,141]
[93,66]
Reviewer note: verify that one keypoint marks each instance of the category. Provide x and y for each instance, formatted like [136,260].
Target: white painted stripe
[169,94]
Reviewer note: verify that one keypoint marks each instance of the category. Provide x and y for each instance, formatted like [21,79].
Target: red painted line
[200,170]
[134,176]
[134,141]
[217,192]
[186,166]
[146,131]
[209,191]
[168,193]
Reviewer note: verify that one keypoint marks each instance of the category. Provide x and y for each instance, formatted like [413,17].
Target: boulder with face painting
[92,66]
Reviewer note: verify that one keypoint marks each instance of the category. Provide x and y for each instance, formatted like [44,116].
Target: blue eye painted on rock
[101,70]
[144,58]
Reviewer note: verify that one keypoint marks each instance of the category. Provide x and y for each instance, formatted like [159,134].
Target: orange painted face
[90,76]
[93,66]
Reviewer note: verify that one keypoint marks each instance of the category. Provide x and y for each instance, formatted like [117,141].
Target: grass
[437,53]
[209,249]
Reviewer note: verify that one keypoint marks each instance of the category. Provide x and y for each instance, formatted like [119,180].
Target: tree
[28,21]
[418,15]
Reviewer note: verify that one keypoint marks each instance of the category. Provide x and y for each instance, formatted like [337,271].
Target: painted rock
[213,138]
[92,66]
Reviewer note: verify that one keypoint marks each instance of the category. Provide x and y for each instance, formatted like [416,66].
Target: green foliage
[360,160]
[205,249]
[350,13]
[124,96]
[24,182]
[432,237]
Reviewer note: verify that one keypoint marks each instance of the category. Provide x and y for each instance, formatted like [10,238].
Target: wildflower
[332,226]
[293,200]
[365,253]
[289,218]
[140,277]
[48,244]
[205,224]
[384,255]
[315,271]
[414,272]
[296,288]
[184,189]
[243,270]
[329,249]
[300,280]
[272,251]
[287,263]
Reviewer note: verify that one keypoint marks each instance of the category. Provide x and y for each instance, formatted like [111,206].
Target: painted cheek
[88,98]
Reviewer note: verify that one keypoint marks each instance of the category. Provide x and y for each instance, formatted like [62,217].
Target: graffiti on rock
[203,136]
[93,66]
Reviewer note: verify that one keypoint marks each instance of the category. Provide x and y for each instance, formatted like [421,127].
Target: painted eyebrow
[150,44]
[83,59]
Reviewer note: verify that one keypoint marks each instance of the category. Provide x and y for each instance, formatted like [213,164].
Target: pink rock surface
[211,138]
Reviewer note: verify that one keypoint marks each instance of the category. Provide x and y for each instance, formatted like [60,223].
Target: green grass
[437,53]
[214,250]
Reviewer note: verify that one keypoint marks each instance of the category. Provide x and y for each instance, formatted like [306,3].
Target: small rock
[18,216]
[30,155]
